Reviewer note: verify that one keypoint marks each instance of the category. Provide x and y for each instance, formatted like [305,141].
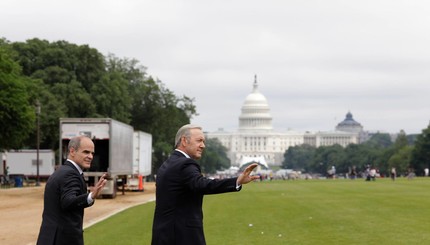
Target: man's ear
[184,141]
[72,151]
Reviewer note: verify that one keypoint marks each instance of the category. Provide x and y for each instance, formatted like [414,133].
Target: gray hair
[184,131]
[75,142]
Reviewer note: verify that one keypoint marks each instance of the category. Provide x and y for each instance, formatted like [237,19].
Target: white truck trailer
[113,141]
[21,165]
[142,160]
[24,162]
[142,153]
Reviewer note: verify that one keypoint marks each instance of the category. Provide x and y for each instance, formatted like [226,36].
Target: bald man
[66,196]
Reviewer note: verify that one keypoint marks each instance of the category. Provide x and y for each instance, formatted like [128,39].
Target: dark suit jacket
[64,201]
[180,188]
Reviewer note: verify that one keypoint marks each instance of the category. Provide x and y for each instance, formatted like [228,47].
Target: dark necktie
[85,184]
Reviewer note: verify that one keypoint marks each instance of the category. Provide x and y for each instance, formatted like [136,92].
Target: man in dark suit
[180,187]
[66,196]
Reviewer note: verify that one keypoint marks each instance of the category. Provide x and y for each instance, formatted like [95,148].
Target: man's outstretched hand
[245,177]
[96,190]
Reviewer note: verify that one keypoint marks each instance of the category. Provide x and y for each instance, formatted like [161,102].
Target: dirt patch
[21,211]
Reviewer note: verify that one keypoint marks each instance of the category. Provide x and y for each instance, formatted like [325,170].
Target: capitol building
[257,141]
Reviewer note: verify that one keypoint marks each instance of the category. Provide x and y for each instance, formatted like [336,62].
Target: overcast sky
[315,60]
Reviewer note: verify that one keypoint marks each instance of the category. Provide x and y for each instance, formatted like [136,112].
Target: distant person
[411,173]
[367,173]
[426,172]
[66,196]
[332,172]
[353,172]
[393,173]
[372,173]
[180,187]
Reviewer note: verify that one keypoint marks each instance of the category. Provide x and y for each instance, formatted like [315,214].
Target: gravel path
[21,211]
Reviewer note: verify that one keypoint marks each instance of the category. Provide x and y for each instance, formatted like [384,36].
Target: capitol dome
[255,112]
[349,125]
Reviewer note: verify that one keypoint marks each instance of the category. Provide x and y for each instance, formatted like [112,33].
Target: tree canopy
[379,151]
[72,80]
[214,157]
[420,158]
[17,115]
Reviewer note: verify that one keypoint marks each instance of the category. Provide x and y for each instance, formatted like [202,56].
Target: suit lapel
[84,185]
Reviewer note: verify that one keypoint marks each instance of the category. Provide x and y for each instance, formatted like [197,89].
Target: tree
[78,102]
[401,140]
[380,140]
[111,97]
[379,149]
[383,158]
[420,158]
[17,115]
[362,155]
[299,158]
[90,67]
[62,73]
[214,157]
[52,109]
[401,154]
[82,63]
[156,110]
[72,80]
[53,75]
[329,156]
[28,55]
[401,159]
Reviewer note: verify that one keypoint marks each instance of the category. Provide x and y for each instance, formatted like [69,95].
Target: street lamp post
[37,142]
[5,173]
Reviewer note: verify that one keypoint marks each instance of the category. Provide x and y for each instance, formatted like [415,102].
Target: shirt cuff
[89,199]
[238,187]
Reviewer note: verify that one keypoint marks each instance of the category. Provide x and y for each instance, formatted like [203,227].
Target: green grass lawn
[296,212]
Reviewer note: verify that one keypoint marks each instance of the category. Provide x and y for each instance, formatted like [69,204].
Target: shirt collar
[76,166]
[185,154]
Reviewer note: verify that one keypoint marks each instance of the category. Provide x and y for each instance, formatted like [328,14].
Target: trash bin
[18,181]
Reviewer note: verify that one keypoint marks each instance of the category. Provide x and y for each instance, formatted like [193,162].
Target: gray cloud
[315,60]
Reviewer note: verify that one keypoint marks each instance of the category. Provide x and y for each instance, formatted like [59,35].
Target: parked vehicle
[113,141]
[142,160]
[24,162]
